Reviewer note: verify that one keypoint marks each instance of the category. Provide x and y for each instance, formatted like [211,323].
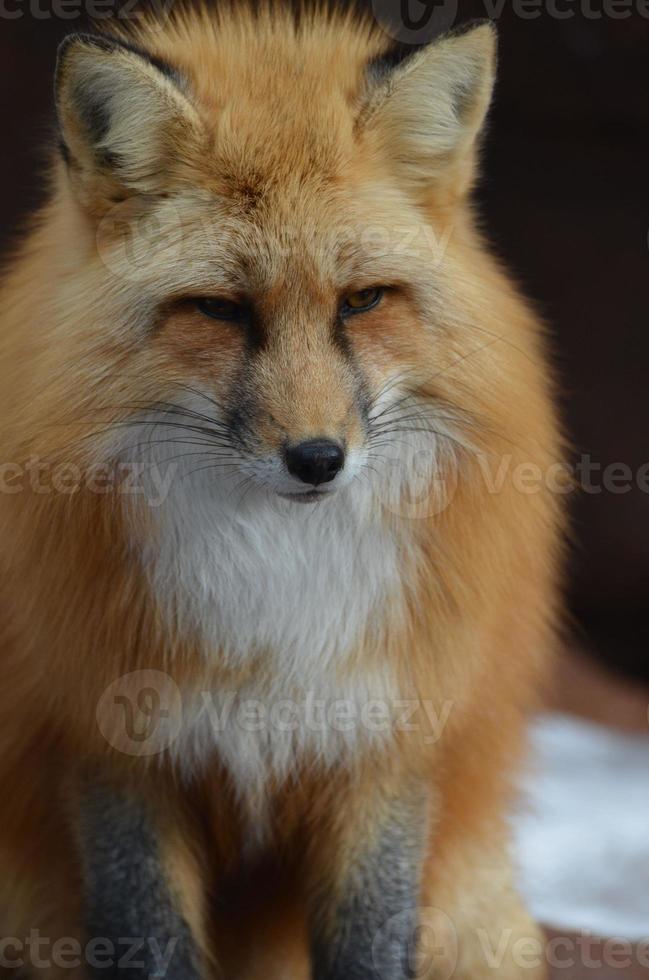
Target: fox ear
[123,115]
[426,109]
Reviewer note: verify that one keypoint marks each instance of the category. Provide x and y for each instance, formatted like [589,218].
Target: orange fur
[274,178]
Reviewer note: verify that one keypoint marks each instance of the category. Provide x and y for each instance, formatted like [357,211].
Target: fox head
[265,264]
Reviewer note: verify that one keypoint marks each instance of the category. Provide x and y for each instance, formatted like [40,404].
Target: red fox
[279,583]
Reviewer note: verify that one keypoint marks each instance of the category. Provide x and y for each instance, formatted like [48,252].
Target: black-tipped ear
[426,107]
[120,111]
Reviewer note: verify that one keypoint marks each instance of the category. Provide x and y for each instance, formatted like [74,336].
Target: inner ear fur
[425,109]
[123,115]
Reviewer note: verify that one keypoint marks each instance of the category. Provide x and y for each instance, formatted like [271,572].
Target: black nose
[317,461]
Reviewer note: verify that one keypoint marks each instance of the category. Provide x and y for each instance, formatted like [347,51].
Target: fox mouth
[307,496]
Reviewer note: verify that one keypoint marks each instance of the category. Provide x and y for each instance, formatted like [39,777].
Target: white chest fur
[292,587]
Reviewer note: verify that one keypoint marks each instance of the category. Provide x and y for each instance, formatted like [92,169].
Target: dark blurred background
[564,196]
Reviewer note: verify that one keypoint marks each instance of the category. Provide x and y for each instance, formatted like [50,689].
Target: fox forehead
[257,78]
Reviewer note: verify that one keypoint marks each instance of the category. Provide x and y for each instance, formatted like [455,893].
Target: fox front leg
[134,918]
[365,912]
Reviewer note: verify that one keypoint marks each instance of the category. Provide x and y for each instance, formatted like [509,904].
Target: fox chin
[276,607]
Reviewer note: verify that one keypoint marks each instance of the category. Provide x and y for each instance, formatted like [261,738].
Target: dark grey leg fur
[128,903]
[377,921]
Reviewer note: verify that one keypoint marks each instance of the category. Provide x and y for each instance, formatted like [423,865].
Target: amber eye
[220,309]
[361,301]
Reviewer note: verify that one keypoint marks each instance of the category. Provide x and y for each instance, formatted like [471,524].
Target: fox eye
[361,301]
[220,309]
